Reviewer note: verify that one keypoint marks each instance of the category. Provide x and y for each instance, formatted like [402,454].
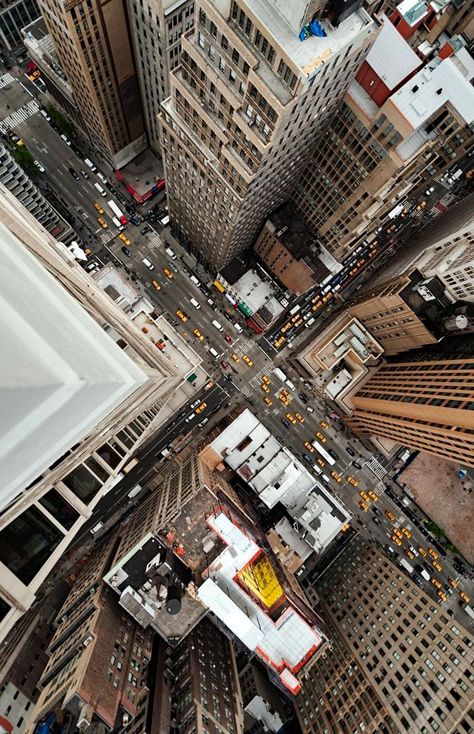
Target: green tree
[435,529]
[62,123]
[23,156]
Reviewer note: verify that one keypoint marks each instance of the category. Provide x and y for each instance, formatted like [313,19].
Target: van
[194,280]
[217,325]
[66,139]
[100,189]
[170,253]
[45,115]
[317,469]
[194,303]
[148,264]
[165,220]
[325,478]
[238,328]
[89,163]
[214,353]
[101,177]
[310,322]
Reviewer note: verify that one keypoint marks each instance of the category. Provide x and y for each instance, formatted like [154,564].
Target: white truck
[406,565]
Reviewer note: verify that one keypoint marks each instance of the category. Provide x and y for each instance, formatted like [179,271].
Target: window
[84,484]
[27,542]
[59,508]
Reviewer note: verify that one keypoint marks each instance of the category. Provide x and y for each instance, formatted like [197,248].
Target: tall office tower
[198,687]
[81,387]
[395,132]
[93,44]
[423,399]
[15,15]
[98,656]
[399,663]
[156,27]
[246,105]
[13,177]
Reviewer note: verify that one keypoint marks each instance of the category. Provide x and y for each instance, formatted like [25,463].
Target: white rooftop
[391,57]
[275,475]
[284,645]
[438,83]
[61,374]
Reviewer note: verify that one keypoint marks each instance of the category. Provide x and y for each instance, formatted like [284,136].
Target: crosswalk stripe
[5,80]
[18,116]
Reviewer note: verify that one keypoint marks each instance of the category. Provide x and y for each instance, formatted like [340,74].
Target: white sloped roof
[391,57]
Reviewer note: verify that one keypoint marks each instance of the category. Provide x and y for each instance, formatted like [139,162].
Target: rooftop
[275,475]
[257,614]
[440,82]
[391,57]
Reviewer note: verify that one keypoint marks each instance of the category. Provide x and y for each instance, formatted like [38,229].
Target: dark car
[227,316]
[308,459]
[145,230]
[333,454]
[286,423]
[303,397]
[225,365]
[228,338]
[74,174]
[350,451]
[126,251]
[357,466]
[84,174]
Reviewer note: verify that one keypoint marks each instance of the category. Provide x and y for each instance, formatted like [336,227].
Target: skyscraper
[156,27]
[92,40]
[399,663]
[76,401]
[423,399]
[402,123]
[246,105]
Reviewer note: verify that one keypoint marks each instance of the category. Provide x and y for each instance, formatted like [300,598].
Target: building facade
[423,400]
[246,105]
[15,15]
[90,399]
[156,27]
[402,124]
[13,177]
[398,664]
[93,44]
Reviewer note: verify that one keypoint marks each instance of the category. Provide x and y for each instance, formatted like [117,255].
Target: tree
[23,156]
[62,123]
[435,529]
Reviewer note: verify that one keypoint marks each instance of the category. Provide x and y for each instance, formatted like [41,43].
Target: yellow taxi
[364,495]
[433,553]
[99,208]
[198,335]
[285,328]
[389,515]
[309,447]
[442,595]
[200,408]
[321,436]
[409,554]
[181,315]
[352,481]
[320,461]
[235,357]
[464,597]
[267,400]
[102,223]
[422,551]
[291,418]
[156,285]
[299,417]
[298,322]
[247,360]
[398,533]
[336,476]
[363,506]
[436,582]
[168,273]
[266,379]
[437,565]
[265,388]
[316,299]
[396,540]
[124,238]
[373,496]
[323,424]
[316,307]
[453,583]
[279,342]
[406,532]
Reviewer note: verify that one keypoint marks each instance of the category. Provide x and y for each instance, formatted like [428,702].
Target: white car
[195,404]
[39,166]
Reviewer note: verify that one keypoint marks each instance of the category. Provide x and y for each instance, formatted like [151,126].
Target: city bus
[116,211]
[321,450]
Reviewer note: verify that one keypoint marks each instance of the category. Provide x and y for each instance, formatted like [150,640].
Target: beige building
[401,125]
[246,105]
[156,27]
[92,41]
[399,663]
[423,400]
[82,388]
